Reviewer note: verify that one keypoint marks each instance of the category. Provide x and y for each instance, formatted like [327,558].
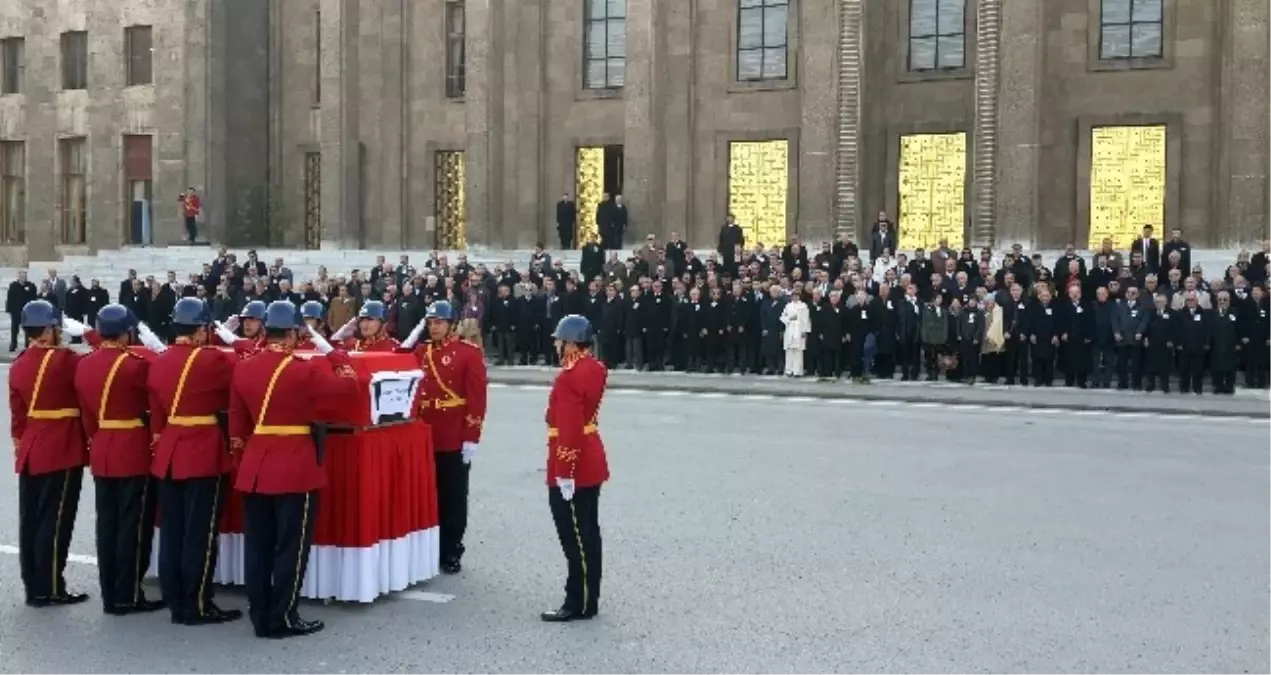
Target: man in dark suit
[882,235]
[21,291]
[566,219]
[1149,247]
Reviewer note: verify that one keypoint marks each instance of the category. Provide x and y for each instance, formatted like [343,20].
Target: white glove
[231,324]
[566,486]
[414,334]
[469,451]
[73,327]
[226,335]
[149,339]
[320,343]
[345,331]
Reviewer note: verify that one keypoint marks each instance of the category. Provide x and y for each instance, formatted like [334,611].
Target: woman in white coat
[798,325]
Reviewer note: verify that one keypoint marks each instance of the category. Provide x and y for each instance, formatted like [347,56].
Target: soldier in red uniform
[250,325]
[113,403]
[369,324]
[311,312]
[576,465]
[51,454]
[453,405]
[271,417]
[189,388]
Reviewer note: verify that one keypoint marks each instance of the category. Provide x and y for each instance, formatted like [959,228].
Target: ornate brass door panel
[758,189]
[1127,183]
[932,182]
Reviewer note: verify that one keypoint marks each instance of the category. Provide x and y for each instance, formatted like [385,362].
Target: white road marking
[74,557]
[423,596]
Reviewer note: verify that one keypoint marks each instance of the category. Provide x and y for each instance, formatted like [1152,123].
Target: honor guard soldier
[189,390]
[453,405]
[250,323]
[272,422]
[576,465]
[51,454]
[369,324]
[311,312]
[114,405]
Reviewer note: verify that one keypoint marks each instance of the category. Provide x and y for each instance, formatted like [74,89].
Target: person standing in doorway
[190,208]
[566,219]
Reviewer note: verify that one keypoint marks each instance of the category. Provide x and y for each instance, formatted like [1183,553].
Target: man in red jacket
[576,465]
[271,418]
[189,389]
[453,405]
[51,454]
[113,403]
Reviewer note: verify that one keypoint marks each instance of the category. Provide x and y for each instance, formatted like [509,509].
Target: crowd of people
[1136,318]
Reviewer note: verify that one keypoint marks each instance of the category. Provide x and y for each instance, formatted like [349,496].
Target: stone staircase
[111,267]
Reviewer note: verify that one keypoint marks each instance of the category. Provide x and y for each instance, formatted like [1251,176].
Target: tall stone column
[341,153]
[483,126]
[984,154]
[847,146]
[43,54]
[639,188]
[1243,158]
[1015,204]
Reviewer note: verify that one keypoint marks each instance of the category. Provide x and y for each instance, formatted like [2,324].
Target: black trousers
[47,505]
[1224,381]
[1191,368]
[1043,371]
[566,233]
[125,536]
[504,346]
[278,532]
[856,355]
[969,359]
[909,356]
[740,357]
[191,229]
[885,365]
[831,360]
[1015,361]
[1255,366]
[931,355]
[655,351]
[547,348]
[578,527]
[15,329]
[1129,367]
[611,352]
[452,502]
[635,352]
[188,545]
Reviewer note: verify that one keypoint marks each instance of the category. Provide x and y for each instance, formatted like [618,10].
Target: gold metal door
[1127,183]
[451,208]
[932,182]
[589,187]
[313,200]
[758,189]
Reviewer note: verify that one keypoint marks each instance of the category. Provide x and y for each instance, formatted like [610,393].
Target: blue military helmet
[574,328]
[253,310]
[40,314]
[312,310]
[373,309]
[191,312]
[114,320]
[282,315]
[440,310]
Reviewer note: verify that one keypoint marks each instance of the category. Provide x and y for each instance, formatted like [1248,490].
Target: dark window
[762,39]
[12,65]
[73,165]
[138,43]
[937,34]
[12,192]
[455,83]
[75,60]
[1131,29]
[605,40]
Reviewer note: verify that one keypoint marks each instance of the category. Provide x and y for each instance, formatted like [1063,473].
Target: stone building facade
[415,124]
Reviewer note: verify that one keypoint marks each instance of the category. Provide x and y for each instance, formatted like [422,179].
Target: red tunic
[380,343]
[111,385]
[44,411]
[191,443]
[574,448]
[454,392]
[271,409]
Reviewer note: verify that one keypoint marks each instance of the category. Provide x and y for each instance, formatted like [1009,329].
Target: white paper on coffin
[344,574]
[392,393]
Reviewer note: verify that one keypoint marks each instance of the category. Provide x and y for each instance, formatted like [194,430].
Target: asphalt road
[805,536]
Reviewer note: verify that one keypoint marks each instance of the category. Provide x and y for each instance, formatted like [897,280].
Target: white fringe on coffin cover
[344,574]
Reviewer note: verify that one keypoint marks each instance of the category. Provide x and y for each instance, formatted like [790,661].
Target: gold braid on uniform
[570,360]
[474,421]
[567,454]
[280,347]
[346,372]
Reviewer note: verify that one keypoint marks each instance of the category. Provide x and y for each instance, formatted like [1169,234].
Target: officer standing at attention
[114,404]
[250,321]
[453,405]
[312,312]
[271,418]
[576,465]
[51,454]
[369,324]
[189,388]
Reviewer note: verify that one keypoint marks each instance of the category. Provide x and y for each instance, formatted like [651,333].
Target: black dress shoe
[565,614]
[451,566]
[295,628]
[57,600]
[210,616]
